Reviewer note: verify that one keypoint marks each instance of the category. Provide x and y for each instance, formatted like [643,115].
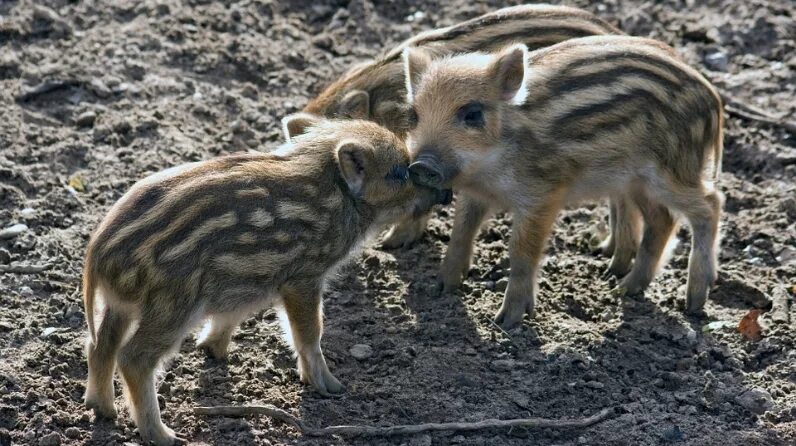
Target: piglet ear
[298,123]
[416,62]
[356,105]
[353,158]
[508,70]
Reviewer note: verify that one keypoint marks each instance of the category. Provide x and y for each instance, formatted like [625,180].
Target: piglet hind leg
[526,248]
[217,334]
[659,224]
[159,333]
[102,361]
[703,216]
[302,304]
[625,229]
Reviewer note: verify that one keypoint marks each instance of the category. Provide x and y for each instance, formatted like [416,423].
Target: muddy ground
[98,94]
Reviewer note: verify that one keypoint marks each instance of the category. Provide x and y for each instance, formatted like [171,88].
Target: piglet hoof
[510,315]
[403,235]
[215,350]
[633,285]
[441,287]
[101,410]
[695,305]
[161,436]
[617,271]
[604,248]
[330,387]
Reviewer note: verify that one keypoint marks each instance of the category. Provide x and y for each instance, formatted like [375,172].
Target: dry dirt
[103,93]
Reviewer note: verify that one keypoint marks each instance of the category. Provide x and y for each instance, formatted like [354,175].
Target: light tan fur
[597,116]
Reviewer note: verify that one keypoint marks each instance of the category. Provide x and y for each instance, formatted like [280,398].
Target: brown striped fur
[379,84]
[222,238]
[375,90]
[590,117]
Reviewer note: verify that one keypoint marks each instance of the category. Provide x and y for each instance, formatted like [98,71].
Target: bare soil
[99,94]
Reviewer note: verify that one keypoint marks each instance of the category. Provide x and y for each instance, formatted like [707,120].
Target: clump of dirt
[98,94]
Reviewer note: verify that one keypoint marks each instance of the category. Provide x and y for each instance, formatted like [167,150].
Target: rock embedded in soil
[72,432]
[51,439]
[361,351]
[86,119]
[756,401]
[13,231]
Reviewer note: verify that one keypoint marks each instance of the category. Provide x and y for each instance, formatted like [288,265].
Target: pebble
[72,432]
[48,331]
[595,385]
[756,401]
[673,434]
[51,439]
[86,119]
[5,256]
[13,231]
[717,61]
[27,213]
[361,351]
[99,88]
[503,365]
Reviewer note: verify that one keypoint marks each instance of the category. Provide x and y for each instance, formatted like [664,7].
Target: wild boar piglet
[220,239]
[587,118]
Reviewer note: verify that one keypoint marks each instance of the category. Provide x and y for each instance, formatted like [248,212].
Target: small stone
[72,432]
[48,331]
[673,434]
[503,365]
[361,351]
[5,437]
[756,401]
[98,87]
[86,119]
[717,61]
[5,256]
[691,335]
[13,231]
[28,213]
[51,439]
[595,385]
[323,41]
[502,284]
[582,440]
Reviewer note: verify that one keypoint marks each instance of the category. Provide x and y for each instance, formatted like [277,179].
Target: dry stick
[24,269]
[745,111]
[279,414]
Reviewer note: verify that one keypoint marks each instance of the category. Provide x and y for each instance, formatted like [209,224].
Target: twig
[242,411]
[24,269]
[787,125]
[741,110]
[46,87]
[500,329]
[406,429]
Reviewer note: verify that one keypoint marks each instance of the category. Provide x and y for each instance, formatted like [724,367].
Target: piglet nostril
[424,174]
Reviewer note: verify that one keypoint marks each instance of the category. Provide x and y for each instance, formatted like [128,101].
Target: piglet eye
[411,118]
[472,115]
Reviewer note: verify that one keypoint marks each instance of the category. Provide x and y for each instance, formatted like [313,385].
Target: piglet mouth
[444,196]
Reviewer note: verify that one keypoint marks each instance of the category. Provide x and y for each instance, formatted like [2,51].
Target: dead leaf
[76,183]
[749,327]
